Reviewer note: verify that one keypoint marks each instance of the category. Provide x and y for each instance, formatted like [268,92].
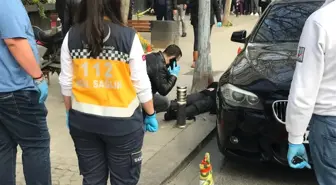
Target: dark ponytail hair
[90,17]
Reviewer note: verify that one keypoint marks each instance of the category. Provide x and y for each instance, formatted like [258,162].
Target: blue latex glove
[42,88]
[298,150]
[175,71]
[67,118]
[219,24]
[151,123]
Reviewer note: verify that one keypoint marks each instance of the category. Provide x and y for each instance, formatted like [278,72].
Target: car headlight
[237,97]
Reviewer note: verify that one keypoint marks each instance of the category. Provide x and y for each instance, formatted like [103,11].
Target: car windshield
[284,22]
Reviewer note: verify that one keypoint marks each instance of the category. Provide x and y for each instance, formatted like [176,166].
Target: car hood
[266,67]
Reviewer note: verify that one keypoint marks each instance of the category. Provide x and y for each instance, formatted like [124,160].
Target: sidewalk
[163,151]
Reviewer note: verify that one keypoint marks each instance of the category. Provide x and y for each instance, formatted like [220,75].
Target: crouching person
[162,70]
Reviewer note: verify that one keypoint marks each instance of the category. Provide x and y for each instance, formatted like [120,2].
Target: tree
[125,4]
[203,70]
[226,21]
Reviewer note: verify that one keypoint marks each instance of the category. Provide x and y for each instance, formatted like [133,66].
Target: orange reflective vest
[102,85]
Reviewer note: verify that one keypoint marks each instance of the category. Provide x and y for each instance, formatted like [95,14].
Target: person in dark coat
[66,10]
[162,70]
[215,12]
[131,8]
[264,4]
[197,103]
[164,9]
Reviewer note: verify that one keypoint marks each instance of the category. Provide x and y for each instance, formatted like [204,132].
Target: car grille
[279,110]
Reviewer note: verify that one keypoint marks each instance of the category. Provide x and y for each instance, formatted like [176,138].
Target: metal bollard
[181,106]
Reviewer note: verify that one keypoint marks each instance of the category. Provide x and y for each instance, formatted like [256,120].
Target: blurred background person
[215,12]
[263,5]
[255,7]
[164,9]
[181,11]
[131,9]
[66,10]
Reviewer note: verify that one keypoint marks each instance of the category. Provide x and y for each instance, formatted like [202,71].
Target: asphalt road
[242,172]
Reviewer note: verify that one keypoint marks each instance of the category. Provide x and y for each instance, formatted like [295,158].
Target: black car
[252,95]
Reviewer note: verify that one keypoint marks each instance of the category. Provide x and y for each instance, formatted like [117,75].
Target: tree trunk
[226,15]
[203,70]
[125,4]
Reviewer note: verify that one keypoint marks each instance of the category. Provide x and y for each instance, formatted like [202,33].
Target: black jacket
[215,11]
[211,90]
[183,2]
[162,82]
[66,10]
[171,4]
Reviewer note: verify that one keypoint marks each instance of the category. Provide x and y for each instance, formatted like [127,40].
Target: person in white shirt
[312,98]
[105,87]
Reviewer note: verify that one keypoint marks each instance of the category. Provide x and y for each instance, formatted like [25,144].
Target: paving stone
[65,180]
[77,182]
[55,182]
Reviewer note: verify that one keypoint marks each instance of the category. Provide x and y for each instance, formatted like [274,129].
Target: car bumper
[253,134]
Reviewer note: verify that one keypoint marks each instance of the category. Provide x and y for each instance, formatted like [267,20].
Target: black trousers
[247,6]
[255,6]
[130,13]
[101,156]
[197,104]
[162,13]
[263,6]
[195,28]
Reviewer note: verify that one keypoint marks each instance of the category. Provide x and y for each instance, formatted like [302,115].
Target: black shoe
[191,118]
[171,113]
[184,34]
[170,116]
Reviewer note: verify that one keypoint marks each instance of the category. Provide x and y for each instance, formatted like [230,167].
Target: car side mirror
[239,36]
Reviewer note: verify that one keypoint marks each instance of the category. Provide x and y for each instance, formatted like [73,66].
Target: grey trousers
[322,141]
[180,16]
[255,6]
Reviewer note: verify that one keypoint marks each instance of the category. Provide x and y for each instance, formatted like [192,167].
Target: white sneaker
[256,14]
[251,14]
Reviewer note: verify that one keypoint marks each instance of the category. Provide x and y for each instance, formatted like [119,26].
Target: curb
[190,157]
[179,152]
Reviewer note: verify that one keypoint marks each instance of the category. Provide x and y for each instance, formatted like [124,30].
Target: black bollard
[181,106]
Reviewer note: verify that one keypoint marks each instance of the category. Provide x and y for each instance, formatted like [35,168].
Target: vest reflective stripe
[102,85]
[106,111]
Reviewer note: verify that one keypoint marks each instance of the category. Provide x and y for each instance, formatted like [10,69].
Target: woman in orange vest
[104,82]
